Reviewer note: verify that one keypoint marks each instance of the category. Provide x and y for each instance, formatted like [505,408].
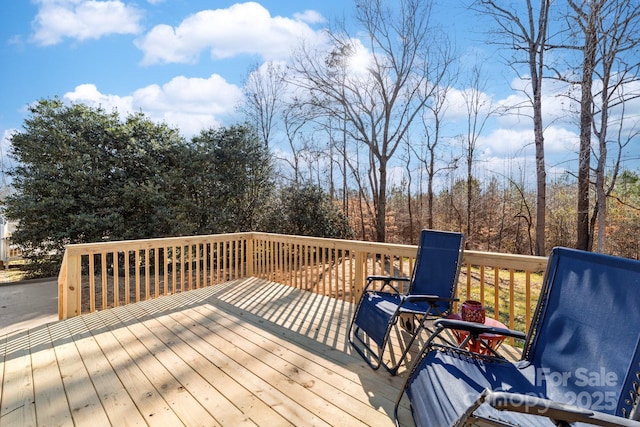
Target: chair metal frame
[617,279]
[416,308]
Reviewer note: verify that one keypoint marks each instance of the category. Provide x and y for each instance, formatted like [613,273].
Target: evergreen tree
[231,180]
[83,175]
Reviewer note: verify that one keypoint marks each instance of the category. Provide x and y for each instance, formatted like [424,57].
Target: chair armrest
[477,328]
[428,298]
[554,410]
[389,278]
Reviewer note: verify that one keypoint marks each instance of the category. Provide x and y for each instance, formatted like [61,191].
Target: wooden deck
[247,352]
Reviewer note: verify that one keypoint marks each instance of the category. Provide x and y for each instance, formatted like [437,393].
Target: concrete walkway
[27,304]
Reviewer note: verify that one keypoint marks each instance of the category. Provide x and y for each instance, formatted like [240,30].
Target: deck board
[140,342]
[183,403]
[17,390]
[82,399]
[247,352]
[50,401]
[101,376]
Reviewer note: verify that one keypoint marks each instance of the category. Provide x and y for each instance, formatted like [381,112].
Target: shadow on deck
[246,352]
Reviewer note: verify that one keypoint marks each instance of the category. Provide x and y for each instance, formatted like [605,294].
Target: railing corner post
[62,282]
[251,256]
[69,287]
[360,275]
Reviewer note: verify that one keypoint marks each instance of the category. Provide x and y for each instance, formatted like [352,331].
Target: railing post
[69,287]
[62,281]
[250,256]
[360,275]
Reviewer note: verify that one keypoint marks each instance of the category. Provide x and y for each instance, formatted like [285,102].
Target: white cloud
[514,142]
[559,140]
[360,61]
[508,138]
[89,94]
[456,103]
[310,17]
[557,108]
[244,28]
[518,167]
[194,95]
[191,104]
[83,19]
[191,124]
[507,142]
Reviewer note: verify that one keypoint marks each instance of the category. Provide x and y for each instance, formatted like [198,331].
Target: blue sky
[148,55]
[183,62]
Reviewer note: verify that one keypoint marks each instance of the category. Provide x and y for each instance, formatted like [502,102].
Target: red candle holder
[473,311]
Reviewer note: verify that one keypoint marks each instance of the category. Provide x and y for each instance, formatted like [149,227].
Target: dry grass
[13,273]
[520,319]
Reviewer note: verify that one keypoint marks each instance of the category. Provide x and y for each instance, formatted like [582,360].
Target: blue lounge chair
[431,292]
[580,363]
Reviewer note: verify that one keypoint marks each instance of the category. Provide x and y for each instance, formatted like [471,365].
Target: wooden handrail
[95,276]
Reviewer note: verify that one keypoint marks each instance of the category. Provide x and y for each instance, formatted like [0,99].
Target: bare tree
[526,34]
[606,35]
[409,181]
[379,101]
[264,90]
[479,109]
[616,41]
[294,119]
[586,20]
[429,154]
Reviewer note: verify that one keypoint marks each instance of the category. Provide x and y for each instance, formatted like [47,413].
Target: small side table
[493,340]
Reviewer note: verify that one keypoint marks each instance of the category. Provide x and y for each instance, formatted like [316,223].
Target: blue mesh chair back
[431,292]
[437,266]
[580,361]
[587,332]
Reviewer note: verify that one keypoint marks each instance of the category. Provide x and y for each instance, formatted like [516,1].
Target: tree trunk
[381,207]
[430,194]
[584,237]
[541,196]
[536,65]
[469,198]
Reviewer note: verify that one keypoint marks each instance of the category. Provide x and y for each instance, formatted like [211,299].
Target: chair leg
[353,335]
[393,370]
[374,359]
[419,326]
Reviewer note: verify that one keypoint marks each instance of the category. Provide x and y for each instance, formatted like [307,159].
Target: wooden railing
[147,269]
[102,275]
